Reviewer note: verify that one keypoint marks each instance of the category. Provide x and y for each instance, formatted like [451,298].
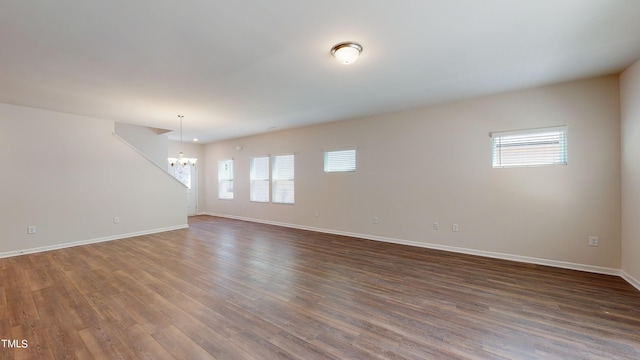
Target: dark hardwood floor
[228,289]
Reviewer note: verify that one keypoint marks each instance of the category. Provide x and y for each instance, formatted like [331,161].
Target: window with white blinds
[225,179]
[283,178]
[533,147]
[340,160]
[259,179]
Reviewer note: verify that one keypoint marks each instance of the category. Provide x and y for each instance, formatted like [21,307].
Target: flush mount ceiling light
[346,52]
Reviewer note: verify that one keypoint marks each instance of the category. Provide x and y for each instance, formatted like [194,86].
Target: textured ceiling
[239,68]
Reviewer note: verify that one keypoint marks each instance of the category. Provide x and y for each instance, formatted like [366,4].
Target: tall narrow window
[225,179]
[340,160]
[259,179]
[182,173]
[283,179]
[534,147]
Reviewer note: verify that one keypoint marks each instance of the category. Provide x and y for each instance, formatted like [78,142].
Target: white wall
[70,176]
[158,148]
[147,141]
[630,127]
[192,150]
[434,165]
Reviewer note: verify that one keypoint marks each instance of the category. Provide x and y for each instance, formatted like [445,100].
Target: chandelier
[181,159]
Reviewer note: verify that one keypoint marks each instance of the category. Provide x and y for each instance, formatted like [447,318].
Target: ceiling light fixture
[182,160]
[346,52]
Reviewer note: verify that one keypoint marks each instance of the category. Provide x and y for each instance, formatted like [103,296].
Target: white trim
[630,279]
[90,241]
[528,131]
[489,254]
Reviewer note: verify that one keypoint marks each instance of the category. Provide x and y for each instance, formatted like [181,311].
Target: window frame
[530,147]
[330,167]
[278,193]
[253,179]
[222,179]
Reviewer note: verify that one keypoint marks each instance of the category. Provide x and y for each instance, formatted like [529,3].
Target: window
[283,179]
[259,179]
[225,179]
[182,173]
[534,147]
[340,160]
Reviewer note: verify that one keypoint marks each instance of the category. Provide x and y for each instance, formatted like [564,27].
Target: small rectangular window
[259,179]
[225,179]
[533,147]
[283,179]
[340,160]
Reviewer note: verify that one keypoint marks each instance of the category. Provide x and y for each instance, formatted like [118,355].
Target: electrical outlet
[593,241]
[376,220]
[455,227]
[31,229]
[436,226]
[116,220]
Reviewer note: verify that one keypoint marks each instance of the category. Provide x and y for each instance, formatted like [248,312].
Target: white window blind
[283,179]
[533,147]
[340,160]
[259,179]
[225,179]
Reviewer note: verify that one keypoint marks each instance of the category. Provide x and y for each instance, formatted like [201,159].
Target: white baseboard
[630,279]
[554,263]
[495,255]
[90,241]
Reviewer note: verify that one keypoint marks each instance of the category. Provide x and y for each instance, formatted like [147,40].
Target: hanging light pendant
[181,160]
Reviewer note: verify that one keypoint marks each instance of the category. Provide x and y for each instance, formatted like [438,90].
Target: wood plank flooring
[228,289]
